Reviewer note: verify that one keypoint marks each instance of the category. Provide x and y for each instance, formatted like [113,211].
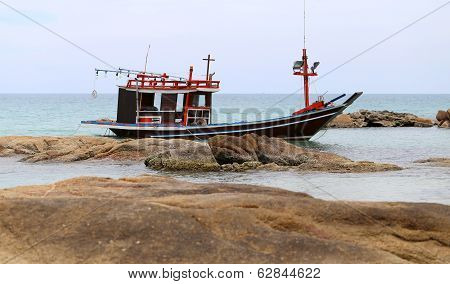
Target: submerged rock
[438,162]
[154,219]
[365,118]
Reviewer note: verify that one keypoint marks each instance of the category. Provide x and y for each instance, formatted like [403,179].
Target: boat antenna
[304,24]
[146,58]
[301,68]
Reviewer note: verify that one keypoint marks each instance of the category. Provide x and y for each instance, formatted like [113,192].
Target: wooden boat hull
[298,127]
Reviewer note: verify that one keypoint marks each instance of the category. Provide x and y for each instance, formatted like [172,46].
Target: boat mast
[305,59]
[146,58]
[209,59]
[303,69]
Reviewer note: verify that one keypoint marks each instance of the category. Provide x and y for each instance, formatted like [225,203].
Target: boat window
[158,100]
[201,101]
[180,103]
[199,117]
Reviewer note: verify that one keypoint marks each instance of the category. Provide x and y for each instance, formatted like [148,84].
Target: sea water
[60,115]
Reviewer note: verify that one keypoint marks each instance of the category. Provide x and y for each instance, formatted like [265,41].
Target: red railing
[144,83]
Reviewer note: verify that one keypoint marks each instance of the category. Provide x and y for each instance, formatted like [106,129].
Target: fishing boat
[149,106]
[154,105]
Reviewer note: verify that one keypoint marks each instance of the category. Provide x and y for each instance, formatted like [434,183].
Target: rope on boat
[76,131]
[324,132]
[195,136]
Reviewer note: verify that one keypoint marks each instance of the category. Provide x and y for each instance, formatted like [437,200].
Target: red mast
[301,69]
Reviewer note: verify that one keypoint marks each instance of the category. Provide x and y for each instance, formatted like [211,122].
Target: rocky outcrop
[254,148]
[220,153]
[443,118]
[154,219]
[365,118]
[438,162]
[79,148]
[272,153]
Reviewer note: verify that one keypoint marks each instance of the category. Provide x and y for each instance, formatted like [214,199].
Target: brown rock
[160,220]
[78,148]
[438,162]
[251,147]
[343,121]
[229,149]
[187,156]
[233,153]
[442,115]
[443,118]
[423,122]
[365,118]
[281,153]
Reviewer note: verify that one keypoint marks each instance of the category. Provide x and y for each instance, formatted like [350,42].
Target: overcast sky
[254,42]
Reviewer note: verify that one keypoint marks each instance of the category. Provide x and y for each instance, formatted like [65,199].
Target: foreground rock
[365,118]
[438,162]
[160,220]
[220,153]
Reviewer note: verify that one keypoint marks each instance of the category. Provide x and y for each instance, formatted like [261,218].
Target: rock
[235,167]
[274,151]
[230,149]
[271,167]
[365,118]
[152,219]
[443,118]
[343,121]
[438,162]
[423,122]
[443,115]
[226,153]
[186,156]
[254,148]
[79,148]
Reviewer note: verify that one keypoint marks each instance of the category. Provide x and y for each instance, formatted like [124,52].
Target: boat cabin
[160,99]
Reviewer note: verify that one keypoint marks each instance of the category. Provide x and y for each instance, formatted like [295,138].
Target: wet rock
[152,219]
[187,156]
[438,162]
[247,166]
[365,118]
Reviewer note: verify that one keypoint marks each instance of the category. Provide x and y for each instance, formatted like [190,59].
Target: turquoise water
[44,114]
[61,114]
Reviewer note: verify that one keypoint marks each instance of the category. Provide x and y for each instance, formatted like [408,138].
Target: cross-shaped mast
[209,59]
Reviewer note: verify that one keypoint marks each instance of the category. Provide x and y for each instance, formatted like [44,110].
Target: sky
[255,43]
